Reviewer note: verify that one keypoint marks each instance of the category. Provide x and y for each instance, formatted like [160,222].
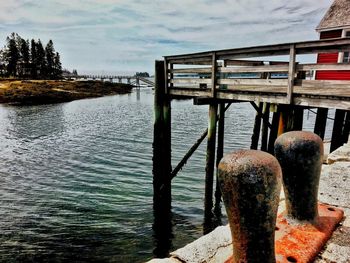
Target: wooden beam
[254,82]
[254,69]
[161,143]
[210,161]
[207,101]
[213,75]
[320,122]
[264,128]
[291,74]
[257,126]
[219,154]
[337,132]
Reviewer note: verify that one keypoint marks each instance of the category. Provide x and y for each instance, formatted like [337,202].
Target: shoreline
[37,92]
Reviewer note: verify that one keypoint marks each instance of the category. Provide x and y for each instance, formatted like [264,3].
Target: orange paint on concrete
[302,241]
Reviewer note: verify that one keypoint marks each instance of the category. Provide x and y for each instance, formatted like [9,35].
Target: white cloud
[94,33]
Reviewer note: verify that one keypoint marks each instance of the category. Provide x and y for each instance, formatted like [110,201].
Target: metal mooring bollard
[300,154]
[250,182]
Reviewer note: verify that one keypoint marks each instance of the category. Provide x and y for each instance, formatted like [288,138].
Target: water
[76,178]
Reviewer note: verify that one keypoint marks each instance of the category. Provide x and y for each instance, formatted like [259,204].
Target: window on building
[346,58]
[346,54]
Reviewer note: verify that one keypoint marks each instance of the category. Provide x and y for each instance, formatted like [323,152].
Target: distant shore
[35,92]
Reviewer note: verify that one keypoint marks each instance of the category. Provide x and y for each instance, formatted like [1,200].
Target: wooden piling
[265,128]
[291,119]
[273,131]
[346,129]
[320,123]
[210,161]
[161,142]
[256,129]
[337,130]
[219,154]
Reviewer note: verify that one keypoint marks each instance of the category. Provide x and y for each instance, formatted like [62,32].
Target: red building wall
[331,58]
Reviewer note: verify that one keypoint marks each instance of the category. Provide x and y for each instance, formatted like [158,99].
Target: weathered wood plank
[291,73]
[195,81]
[192,70]
[252,82]
[329,84]
[306,67]
[213,75]
[254,69]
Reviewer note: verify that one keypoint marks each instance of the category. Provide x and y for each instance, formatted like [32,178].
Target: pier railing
[232,74]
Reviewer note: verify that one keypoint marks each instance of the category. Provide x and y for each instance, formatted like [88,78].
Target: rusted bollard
[300,154]
[250,182]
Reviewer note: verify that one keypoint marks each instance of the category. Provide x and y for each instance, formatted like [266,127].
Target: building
[335,24]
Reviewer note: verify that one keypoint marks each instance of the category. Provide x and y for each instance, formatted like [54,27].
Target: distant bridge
[132,80]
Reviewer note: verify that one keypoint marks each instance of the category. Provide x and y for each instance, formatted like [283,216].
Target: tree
[142,74]
[21,58]
[11,55]
[33,59]
[50,57]
[75,72]
[2,63]
[57,66]
[24,58]
[40,59]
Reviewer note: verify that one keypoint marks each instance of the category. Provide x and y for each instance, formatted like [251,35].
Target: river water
[76,178]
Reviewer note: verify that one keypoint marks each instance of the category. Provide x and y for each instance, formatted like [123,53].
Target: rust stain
[301,241]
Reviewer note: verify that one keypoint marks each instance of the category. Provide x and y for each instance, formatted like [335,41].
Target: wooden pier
[133,80]
[275,79]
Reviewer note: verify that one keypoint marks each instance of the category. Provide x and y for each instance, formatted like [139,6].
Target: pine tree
[40,59]
[11,55]
[33,59]
[57,66]
[24,57]
[50,57]
[2,63]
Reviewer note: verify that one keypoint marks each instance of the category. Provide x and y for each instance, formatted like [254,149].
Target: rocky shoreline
[35,92]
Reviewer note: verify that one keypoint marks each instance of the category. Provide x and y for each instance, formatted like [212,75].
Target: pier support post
[250,181]
[291,119]
[161,142]
[210,161]
[265,128]
[256,129]
[273,130]
[300,154]
[219,154]
[337,138]
[320,123]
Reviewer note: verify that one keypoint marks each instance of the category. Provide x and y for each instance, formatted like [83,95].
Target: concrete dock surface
[334,189]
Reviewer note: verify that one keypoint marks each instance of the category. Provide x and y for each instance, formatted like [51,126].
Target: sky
[126,36]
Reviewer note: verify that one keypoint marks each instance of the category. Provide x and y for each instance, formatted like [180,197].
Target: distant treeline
[142,74]
[22,58]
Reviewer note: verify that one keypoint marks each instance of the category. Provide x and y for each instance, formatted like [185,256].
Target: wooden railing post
[213,75]
[291,74]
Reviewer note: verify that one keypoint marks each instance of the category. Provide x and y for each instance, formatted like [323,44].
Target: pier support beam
[337,138]
[210,161]
[161,142]
[219,154]
[256,129]
[320,123]
[265,128]
[273,130]
[291,119]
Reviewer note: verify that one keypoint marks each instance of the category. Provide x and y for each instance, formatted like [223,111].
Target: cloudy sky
[117,36]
